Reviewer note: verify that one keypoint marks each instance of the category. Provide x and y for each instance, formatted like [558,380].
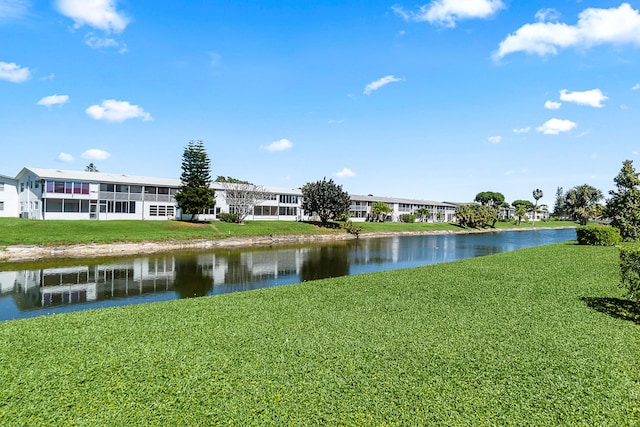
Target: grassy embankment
[15,231]
[532,337]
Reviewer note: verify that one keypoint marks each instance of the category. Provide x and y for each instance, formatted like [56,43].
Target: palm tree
[537,194]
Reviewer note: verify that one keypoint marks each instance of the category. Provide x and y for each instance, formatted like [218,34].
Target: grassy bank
[531,337]
[32,232]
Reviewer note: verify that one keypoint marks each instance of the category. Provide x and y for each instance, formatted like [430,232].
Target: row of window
[291,199]
[161,210]
[67,187]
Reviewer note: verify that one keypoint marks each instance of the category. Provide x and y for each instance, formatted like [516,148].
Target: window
[53,205]
[1,186]
[161,210]
[122,188]
[1,206]
[288,211]
[288,198]
[72,205]
[107,187]
[135,189]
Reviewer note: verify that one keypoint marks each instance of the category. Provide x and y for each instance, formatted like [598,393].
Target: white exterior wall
[8,197]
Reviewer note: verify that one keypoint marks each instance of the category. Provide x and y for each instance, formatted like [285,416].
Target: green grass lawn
[14,231]
[535,337]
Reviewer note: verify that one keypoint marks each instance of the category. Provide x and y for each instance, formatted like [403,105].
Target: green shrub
[408,218]
[229,217]
[351,228]
[630,269]
[598,235]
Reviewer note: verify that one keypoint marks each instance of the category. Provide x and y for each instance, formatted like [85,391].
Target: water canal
[87,284]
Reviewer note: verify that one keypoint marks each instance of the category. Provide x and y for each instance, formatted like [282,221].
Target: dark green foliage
[477,216]
[630,269]
[598,235]
[380,211]
[326,199]
[581,203]
[351,228]
[623,208]
[558,207]
[229,217]
[526,203]
[489,198]
[195,194]
[408,218]
[231,180]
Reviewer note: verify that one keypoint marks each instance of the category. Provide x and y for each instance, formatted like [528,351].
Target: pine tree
[624,206]
[195,194]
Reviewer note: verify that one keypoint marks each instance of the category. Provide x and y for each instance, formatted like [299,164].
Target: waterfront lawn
[15,231]
[507,339]
[62,232]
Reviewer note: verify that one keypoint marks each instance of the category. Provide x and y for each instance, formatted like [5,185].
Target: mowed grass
[15,231]
[508,339]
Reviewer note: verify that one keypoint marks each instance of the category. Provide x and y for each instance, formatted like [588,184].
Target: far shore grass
[537,337]
[14,231]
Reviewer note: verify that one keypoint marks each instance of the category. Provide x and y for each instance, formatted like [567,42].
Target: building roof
[70,175]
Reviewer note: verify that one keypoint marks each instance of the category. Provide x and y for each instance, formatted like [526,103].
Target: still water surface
[89,284]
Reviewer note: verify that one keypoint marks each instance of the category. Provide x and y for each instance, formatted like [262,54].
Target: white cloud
[591,98]
[13,72]
[556,126]
[636,86]
[95,154]
[549,14]
[345,173]
[96,42]
[522,130]
[281,145]
[117,111]
[375,85]
[50,100]
[552,105]
[495,139]
[448,12]
[65,157]
[12,9]
[100,14]
[595,27]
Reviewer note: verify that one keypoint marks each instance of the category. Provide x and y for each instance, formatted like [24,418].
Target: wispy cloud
[375,85]
[281,145]
[552,105]
[448,12]
[13,72]
[495,139]
[594,27]
[522,130]
[556,126]
[636,86]
[13,9]
[95,154]
[97,42]
[51,100]
[345,173]
[111,110]
[591,98]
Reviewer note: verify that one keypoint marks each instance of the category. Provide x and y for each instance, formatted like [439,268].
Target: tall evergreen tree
[195,194]
[623,208]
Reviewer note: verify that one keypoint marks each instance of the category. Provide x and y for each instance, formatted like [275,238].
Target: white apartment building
[38,193]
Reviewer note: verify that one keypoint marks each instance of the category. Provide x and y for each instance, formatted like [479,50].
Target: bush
[598,235]
[351,228]
[408,218]
[630,269]
[229,217]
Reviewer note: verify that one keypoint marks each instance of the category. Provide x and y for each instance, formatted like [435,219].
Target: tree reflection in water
[191,279]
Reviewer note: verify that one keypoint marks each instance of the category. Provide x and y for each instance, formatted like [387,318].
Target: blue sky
[437,100]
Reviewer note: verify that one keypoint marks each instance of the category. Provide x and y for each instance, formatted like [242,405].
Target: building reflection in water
[194,274]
